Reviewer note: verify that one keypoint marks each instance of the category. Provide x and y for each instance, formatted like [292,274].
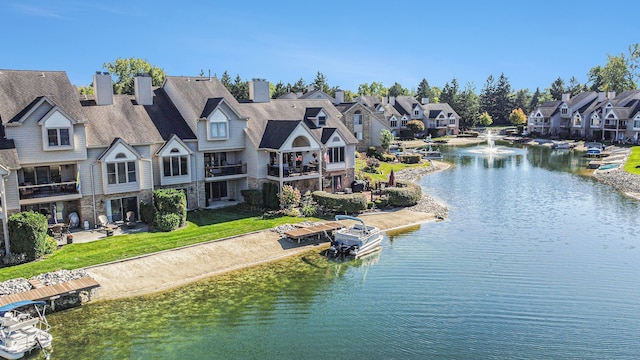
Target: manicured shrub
[387,157]
[147,212]
[28,235]
[252,197]
[411,159]
[270,195]
[167,222]
[171,201]
[349,203]
[403,194]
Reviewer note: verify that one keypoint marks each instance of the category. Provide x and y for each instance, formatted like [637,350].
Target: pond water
[535,261]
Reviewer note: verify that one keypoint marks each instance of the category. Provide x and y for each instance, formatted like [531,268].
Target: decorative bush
[373,152]
[372,165]
[270,195]
[252,197]
[147,212]
[171,201]
[167,222]
[411,159]
[349,203]
[28,235]
[289,197]
[387,157]
[403,194]
[309,207]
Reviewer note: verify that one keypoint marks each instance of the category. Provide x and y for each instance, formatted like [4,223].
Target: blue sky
[350,42]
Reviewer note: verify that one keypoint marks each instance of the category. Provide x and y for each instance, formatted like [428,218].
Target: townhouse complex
[590,115]
[63,153]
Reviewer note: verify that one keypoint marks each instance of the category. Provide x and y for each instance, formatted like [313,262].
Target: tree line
[495,102]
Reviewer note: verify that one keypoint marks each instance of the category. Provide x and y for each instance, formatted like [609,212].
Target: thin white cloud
[36,11]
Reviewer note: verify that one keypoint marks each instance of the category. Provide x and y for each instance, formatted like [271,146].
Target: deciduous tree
[125,70]
[517,117]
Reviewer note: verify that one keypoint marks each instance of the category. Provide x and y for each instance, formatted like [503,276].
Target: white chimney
[259,90]
[566,97]
[425,101]
[103,88]
[611,94]
[142,89]
[339,97]
[392,100]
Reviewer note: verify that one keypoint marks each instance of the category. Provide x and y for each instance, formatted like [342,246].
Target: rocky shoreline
[427,204]
[620,180]
[19,285]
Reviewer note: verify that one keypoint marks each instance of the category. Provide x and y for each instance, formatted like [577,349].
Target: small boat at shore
[356,240]
[23,328]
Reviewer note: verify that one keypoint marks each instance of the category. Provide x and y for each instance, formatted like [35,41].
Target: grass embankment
[202,226]
[633,161]
[385,168]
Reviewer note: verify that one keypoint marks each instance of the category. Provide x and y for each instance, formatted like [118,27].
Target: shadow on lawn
[205,217]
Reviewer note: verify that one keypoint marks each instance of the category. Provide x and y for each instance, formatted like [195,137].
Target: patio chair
[130,221]
[105,225]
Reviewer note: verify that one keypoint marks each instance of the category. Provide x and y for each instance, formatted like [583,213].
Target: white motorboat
[356,240]
[23,328]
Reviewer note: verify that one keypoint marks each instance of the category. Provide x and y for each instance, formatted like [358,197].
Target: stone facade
[367,118]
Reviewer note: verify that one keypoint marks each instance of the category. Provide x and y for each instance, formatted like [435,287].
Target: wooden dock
[52,292]
[314,231]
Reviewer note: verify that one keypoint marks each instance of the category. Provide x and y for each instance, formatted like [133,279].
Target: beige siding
[28,140]
[235,140]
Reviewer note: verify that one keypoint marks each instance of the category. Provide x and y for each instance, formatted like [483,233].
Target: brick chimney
[103,88]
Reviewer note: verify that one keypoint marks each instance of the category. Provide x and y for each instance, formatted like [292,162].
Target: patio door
[117,208]
[216,190]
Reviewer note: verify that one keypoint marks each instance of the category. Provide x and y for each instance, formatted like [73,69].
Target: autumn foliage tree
[517,117]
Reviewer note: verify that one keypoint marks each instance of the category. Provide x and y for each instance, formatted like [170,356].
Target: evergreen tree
[523,100]
[574,87]
[279,89]
[300,86]
[240,89]
[535,100]
[320,83]
[424,90]
[226,81]
[397,90]
[557,89]
[504,101]
[469,107]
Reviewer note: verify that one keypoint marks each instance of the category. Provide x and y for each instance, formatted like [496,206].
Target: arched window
[301,141]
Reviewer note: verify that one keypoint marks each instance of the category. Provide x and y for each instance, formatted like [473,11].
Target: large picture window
[121,172]
[175,165]
[336,154]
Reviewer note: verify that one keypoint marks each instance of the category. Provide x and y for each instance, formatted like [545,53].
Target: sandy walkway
[177,267]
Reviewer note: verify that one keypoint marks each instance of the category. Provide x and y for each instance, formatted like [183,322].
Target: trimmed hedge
[387,158]
[147,212]
[403,194]
[171,201]
[167,222]
[411,159]
[252,197]
[349,203]
[270,195]
[28,235]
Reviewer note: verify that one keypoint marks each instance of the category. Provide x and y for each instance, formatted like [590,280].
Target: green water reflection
[165,323]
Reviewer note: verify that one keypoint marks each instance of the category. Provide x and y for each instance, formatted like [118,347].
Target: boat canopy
[347,217]
[9,307]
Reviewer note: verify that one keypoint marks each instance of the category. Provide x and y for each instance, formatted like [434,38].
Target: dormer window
[322,120]
[564,110]
[58,137]
[416,112]
[218,126]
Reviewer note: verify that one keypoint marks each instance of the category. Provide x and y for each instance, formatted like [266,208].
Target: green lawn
[633,162]
[386,168]
[203,225]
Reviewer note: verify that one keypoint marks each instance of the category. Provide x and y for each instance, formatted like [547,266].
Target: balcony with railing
[293,171]
[54,189]
[226,170]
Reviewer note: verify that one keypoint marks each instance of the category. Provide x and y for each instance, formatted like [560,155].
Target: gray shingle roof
[276,132]
[123,120]
[20,88]
[8,154]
